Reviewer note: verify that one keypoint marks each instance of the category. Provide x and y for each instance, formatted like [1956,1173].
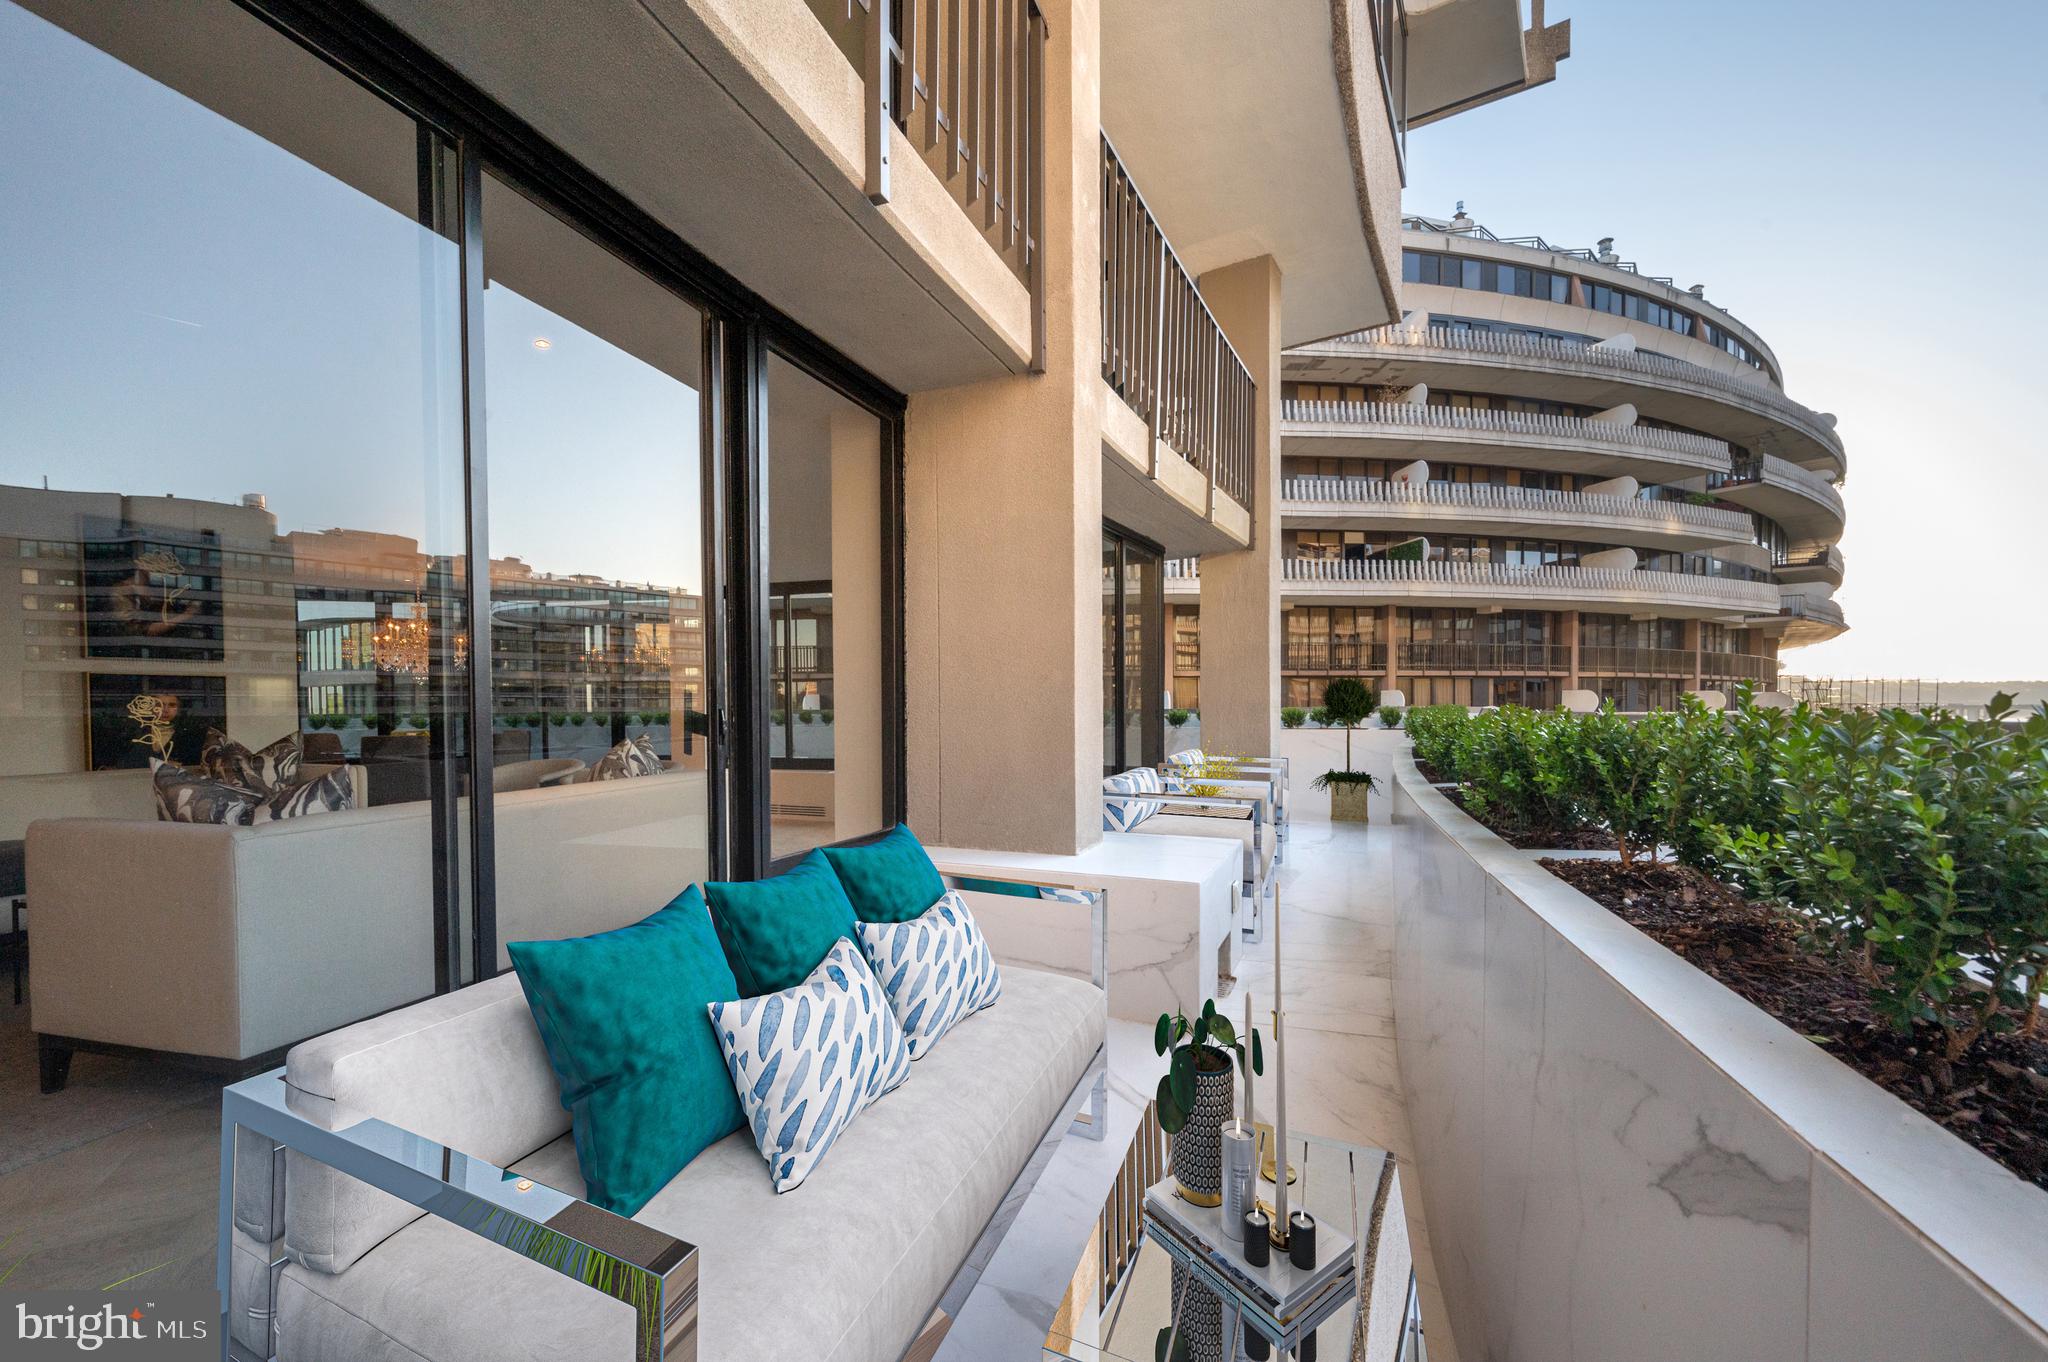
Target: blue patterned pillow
[935,969]
[809,1059]
[1120,813]
[1189,762]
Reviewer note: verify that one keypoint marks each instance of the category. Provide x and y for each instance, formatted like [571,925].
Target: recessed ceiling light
[543,343]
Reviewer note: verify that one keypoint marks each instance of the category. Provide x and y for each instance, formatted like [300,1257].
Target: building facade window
[1133,652]
[460,576]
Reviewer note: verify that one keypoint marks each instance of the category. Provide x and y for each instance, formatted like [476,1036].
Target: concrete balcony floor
[1337,932]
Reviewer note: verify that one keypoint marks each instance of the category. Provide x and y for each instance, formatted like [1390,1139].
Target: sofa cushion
[845,1270]
[935,971]
[808,1060]
[189,796]
[622,1016]
[775,931]
[1121,812]
[334,792]
[890,879]
[266,770]
[633,757]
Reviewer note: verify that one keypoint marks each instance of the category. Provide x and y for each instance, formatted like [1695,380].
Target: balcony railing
[1553,580]
[1162,350]
[1483,496]
[1755,393]
[1698,450]
[1820,609]
[1485,657]
[1769,470]
[964,82]
[1738,667]
[1602,660]
[1321,656]
[805,659]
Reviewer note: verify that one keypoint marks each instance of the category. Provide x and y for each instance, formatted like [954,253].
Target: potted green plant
[1196,1094]
[1176,718]
[1347,703]
[1390,716]
[1291,716]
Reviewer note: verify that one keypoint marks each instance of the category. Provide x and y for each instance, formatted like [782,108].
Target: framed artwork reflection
[131,719]
[151,591]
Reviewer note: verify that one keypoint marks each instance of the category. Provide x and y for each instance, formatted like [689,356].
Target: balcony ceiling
[1231,119]
[1461,53]
[704,139]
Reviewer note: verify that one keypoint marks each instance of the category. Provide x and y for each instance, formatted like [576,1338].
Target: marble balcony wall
[1620,1159]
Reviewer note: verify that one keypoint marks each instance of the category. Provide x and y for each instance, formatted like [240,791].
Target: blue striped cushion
[1190,761]
[1123,814]
[935,969]
[809,1059]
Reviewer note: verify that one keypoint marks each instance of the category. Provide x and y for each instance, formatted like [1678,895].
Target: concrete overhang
[1261,129]
[736,124]
[1465,53]
[1647,463]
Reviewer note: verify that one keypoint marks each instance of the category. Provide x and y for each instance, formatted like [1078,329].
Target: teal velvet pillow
[775,931]
[890,879]
[623,1015]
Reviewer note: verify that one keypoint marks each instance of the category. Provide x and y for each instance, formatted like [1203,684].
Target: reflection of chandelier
[404,647]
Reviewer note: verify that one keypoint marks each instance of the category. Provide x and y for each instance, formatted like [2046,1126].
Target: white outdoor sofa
[1254,775]
[405,1190]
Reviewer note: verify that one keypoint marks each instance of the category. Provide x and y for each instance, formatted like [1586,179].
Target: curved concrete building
[1553,473]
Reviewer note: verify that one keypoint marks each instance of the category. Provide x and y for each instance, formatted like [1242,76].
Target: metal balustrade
[1562,581]
[1438,656]
[1605,660]
[1485,496]
[1700,450]
[1737,667]
[1162,350]
[964,81]
[1321,656]
[1755,393]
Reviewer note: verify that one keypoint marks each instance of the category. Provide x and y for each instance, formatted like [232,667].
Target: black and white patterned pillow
[331,793]
[267,770]
[188,796]
[633,757]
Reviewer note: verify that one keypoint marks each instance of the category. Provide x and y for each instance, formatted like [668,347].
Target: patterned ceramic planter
[1347,803]
[1198,1148]
[1199,1313]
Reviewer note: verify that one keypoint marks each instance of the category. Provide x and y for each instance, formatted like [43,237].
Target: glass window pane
[824,551]
[598,690]
[1471,271]
[233,454]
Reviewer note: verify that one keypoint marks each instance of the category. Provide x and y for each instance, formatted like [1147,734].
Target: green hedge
[1912,844]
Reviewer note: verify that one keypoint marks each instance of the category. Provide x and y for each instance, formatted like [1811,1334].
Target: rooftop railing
[964,82]
[1756,393]
[1486,496]
[1162,350]
[1700,450]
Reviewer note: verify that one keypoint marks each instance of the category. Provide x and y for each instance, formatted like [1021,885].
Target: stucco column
[1691,644]
[1241,591]
[1002,535]
[1389,621]
[1569,624]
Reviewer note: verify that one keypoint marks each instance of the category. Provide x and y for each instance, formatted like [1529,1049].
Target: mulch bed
[1996,1097]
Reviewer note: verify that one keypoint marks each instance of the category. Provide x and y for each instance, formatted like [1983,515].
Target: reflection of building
[1553,473]
[118,590]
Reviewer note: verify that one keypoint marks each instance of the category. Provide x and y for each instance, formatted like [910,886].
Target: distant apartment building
[1554,473]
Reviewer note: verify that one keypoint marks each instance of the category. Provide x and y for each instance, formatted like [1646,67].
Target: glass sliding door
[600,694]
[827,670]
[234,681]
[1133,652]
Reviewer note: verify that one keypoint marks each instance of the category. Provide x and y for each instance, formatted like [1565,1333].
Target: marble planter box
[1172,915]
[1621,1159]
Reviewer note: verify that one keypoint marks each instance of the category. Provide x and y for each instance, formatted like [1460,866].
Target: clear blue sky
[1867,185]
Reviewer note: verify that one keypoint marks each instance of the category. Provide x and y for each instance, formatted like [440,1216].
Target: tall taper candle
[1251,1111]
[1280,1082]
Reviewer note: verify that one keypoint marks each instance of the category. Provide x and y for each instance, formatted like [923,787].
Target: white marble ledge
[1172,917]
[1957,1202]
